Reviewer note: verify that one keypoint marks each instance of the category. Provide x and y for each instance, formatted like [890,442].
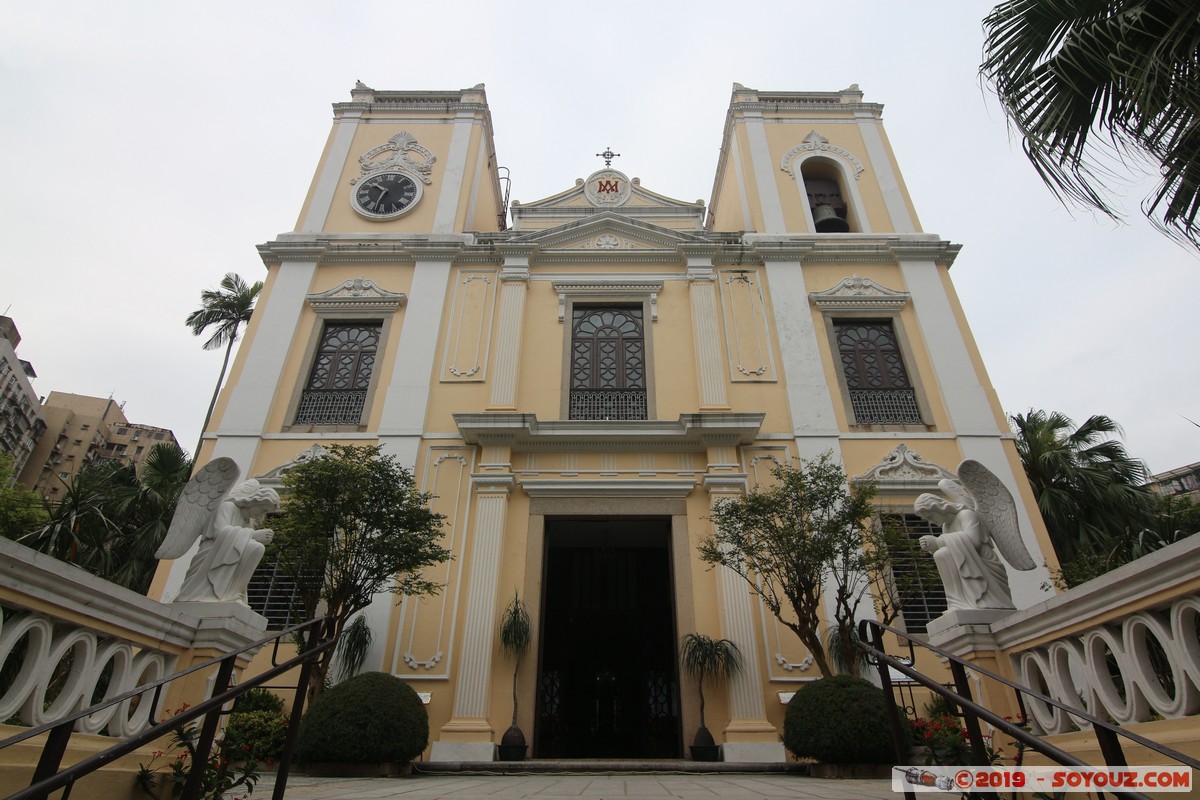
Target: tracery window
[880,391]
[608,363]
[336,391]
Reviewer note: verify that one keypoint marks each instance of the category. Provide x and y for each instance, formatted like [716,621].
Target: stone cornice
[859,247]
[614,488]
[690,433]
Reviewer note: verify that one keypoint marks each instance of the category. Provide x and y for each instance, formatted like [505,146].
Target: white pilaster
[453,173]
[966,401]
[407,399]
[515,282]
[809,399]
[278,320]
[764,173]
[702,288]
[869,128]
[749,735]
[468,733]
[331,172]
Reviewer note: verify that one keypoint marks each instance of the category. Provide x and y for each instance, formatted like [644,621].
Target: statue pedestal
[966,631]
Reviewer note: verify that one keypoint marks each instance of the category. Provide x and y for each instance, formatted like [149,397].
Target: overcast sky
[146,148]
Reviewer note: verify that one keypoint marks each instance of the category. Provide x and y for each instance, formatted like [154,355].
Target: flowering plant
[946,742]
[225,771]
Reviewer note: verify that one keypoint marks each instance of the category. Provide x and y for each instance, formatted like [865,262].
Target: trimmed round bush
[255,735]
[258,700]
[840,720]
[369,719]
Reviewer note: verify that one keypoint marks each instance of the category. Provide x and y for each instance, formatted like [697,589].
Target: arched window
[608,363]
[336,391]
[880,391]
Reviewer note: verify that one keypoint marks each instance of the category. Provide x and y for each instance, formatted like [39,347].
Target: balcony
[331,408]
[607,404]
[885,407]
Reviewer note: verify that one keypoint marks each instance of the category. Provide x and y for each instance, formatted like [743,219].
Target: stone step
[592,766]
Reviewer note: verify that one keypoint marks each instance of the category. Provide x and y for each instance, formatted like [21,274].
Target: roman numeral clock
[392,177]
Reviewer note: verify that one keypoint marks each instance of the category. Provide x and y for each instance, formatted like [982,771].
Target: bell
[828,221]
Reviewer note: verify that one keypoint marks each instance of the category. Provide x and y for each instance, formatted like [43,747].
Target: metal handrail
[1106,733]
[48,776]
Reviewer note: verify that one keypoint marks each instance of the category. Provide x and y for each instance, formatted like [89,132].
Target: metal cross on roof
[608,155]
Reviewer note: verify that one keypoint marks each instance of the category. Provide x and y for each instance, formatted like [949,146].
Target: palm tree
[1089,490]
[705,658]
[226,310]
[1087,85]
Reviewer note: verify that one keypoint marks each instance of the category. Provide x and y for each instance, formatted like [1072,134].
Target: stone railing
[72,639]
[1125,646]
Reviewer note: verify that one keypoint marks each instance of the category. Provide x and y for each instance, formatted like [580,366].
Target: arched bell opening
[827,197]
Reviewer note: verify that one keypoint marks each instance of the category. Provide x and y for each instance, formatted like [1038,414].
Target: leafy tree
[20,509]
[356,519]
[789,539]
[111,519]
[1090,85]
[1090,491]
[225,310]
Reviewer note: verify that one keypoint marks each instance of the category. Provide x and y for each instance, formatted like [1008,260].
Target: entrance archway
[608,680]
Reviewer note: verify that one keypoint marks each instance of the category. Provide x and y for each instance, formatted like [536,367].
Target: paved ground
[592,787]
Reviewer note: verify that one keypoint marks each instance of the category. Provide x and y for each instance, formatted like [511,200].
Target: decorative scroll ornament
[607,242]
[607,188]
[905,470]
[275,476]
[398,158]
[816,143]
[859,293]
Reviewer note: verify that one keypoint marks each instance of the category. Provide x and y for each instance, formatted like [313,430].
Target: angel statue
[230,547]
[982,513]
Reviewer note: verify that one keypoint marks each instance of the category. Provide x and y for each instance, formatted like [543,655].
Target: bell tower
[399,162]
[808,162]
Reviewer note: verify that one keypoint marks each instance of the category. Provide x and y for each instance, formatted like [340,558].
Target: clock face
[386,195]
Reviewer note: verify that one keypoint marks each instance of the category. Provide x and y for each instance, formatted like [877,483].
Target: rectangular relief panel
[469,329]
[747,332]
[426,631]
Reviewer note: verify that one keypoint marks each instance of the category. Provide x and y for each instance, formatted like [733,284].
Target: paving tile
[573,787]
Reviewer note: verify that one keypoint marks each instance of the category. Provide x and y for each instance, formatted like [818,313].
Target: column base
[753,752]
[463,751]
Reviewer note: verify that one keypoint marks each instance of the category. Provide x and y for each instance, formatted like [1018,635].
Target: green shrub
[370,718]
[840,720]
[255,735]
[258,700]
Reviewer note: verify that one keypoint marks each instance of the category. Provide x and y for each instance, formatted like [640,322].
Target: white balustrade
[1124,647]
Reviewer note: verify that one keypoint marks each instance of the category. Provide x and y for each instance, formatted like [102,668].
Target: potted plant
[702,658]
[516,633]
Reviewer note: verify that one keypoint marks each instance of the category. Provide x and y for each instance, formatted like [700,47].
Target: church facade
[579,379]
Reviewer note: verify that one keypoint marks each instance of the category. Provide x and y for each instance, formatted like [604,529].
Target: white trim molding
[860,294]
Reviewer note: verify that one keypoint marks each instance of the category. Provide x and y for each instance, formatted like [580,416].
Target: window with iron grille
[880,392]
[276,596]
[922,596]
[336,391]
[608,363]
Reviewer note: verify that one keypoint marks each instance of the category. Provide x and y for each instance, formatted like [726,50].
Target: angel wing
[958,493]
[999,511]
[199,500]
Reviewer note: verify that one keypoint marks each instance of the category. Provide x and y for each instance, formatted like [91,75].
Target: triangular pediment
[609,232]
[604,191]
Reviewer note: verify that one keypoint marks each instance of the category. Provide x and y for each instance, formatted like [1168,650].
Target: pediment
[609,232]
[603,191]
